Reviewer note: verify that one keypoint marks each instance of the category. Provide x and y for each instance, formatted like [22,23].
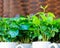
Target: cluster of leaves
[15,29]
[41,25]
[45,26]
[8,29]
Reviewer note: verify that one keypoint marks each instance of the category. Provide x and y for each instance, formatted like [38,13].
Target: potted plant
[56,39]
[24,33]
[15,30]
[44,28]
[8,33]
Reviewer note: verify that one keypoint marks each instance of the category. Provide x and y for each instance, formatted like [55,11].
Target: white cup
[23,46]
[8,44]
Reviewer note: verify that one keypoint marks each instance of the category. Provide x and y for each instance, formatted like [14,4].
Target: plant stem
[44,10]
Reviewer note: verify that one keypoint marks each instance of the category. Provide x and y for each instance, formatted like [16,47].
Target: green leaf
[43,28]
[55,30]
[53,34]
[49,20]
[13,33]
[24,27]
[40,37]
[50,14]
[43,16]
[13,25]
[35,20]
